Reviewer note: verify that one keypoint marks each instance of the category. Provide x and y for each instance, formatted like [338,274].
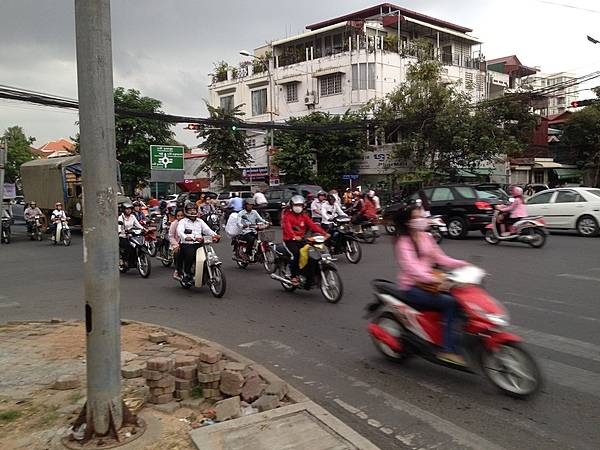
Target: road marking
[351,409]
[541,299]
[10,305]
[578,277]
[560,313]
[572,377]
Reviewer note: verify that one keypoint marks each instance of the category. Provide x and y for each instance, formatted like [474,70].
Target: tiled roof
[60,144]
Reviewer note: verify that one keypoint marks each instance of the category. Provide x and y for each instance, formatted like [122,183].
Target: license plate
[375,227]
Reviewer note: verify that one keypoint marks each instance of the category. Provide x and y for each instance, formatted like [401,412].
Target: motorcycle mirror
[120,222]
[188,231]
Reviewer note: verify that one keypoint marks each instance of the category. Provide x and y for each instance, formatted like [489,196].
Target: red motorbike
[400,331]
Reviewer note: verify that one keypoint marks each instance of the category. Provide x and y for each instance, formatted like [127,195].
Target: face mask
[297,209]
[418,224]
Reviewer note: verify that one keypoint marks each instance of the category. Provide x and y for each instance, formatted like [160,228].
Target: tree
[135,135]
[581,135]
[336,150]
[439,130]
[227,147]
[19,152]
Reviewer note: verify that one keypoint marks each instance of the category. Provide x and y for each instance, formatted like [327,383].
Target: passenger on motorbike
[247,217]
[190,242]
[138,213]
[375,199]
[29,214]
[127,221]
[367,210]
[174,240]
[417,253]
[295,223]
[57,215]
[331,210]
[316,205]
[235,203]
[513,212]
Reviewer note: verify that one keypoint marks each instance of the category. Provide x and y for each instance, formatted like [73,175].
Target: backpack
[232,228]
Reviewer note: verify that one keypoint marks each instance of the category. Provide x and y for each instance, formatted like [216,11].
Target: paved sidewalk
[42,390]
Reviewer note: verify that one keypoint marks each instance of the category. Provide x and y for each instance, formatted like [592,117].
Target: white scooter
[529,230]
[62,234]
[207,268]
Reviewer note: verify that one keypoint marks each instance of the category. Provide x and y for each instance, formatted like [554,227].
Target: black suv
[279,196]
[464,207]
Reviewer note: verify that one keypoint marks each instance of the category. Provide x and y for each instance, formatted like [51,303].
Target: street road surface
[324,350]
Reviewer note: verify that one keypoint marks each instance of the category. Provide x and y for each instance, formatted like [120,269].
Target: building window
[561,100]
[259,102]
[331,84]
[227,103]
[291,94]
[360,80]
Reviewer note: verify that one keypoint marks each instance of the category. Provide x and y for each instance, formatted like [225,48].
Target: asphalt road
[323,349]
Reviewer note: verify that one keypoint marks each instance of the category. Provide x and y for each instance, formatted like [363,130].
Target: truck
[52,180]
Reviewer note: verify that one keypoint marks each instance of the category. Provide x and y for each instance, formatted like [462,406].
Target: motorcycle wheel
[269,260]
[333,290]
[151,248]
[143,265]
[240,264]
[369,237]
[390,229]
[512,370]
[491,238]
[353,252]
[288,287]
[216,281]
[66,237]
[166,257]
[389,323]
[38,235]
[538,238]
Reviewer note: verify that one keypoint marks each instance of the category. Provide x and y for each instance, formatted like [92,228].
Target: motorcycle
[529,230]
[206,270]
[6,230]
[213,220]
[152,231]
[437,228]
[137,256]
[261,251]
[400,331]
[342,240]
[35,228]
[320,270]
[367,231]
[62,233]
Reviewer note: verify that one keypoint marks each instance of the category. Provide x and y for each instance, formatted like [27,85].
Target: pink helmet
[517,191]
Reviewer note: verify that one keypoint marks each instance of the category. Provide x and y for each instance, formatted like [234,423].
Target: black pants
[294,248]
[124,248]
[187,257]
[249,239]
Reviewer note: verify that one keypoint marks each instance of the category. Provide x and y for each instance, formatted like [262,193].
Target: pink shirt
[173,236]
[417,268]
[516,208]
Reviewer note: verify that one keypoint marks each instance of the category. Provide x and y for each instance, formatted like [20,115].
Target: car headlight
[500,320]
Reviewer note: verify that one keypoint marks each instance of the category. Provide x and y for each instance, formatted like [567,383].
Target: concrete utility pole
[103,410]
[3,157]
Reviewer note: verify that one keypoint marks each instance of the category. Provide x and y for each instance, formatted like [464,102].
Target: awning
[568,174]
[443,30]
[547,165]
[322,73]
[74,168]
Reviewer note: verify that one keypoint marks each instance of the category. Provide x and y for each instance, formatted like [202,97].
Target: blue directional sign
[349,177]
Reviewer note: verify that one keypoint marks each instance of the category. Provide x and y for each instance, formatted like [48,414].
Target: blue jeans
[444,303]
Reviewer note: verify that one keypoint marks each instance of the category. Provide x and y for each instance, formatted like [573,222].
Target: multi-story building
[562,89]
[342,63]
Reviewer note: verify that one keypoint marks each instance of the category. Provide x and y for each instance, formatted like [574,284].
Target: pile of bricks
[186,368]
[159,379]
[210,366]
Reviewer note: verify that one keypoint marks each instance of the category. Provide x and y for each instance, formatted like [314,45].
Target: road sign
[349,177]
[166,157]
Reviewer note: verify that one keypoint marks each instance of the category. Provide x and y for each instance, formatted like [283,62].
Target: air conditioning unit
[309,99]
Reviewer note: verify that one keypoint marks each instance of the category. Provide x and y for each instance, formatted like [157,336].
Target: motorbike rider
[235,203]
[127,221]
[366,211]
[246,218]
[316,205]
[190,242]
[513,212]
[174,240]
[57,215]
[295,222]
[424,203]
[417,253]
[331,210]
[375,199]
[29,214]
[138,213]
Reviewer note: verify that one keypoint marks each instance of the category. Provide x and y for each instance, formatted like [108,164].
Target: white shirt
[128,223]
[260,199]
[330,212]
[59,214]
[376,202]
[315,208]
[198,227]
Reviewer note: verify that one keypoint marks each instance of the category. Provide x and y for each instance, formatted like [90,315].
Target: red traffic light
[580,103]
[574,104]
[192,126]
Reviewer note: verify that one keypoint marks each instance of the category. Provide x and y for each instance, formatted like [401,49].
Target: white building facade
[560,99]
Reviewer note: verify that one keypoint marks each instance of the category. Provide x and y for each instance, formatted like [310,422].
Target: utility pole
[3,157]
[104,411]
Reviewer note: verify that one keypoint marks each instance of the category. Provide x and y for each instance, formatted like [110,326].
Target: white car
[576,208]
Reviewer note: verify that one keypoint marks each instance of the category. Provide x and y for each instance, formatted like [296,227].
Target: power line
[565,5]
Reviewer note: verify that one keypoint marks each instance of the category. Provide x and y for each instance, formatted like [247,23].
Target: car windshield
[223,195]
[595,192]
[489,195]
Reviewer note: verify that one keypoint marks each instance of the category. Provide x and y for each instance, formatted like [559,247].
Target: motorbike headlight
[500,320]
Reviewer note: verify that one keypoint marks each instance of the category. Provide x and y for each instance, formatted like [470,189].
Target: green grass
[9,416]
[196,392]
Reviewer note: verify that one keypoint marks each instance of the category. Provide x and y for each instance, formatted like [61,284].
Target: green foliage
[337,152]
[220,71]
[9,416]
[437,127]
[227,148]
[18,152]
[582,135]
[135,135]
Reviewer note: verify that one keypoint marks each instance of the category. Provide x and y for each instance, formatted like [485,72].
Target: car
[574,208]
[279,196]
[493,188]
[463,207]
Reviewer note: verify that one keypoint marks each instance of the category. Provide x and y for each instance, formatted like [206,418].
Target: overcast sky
[166,48]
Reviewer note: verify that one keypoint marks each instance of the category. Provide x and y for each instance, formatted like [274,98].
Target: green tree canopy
[18,152]
[227,147]
[336,151]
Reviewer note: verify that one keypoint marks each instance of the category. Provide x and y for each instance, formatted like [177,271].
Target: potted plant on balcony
[390,43]
[220,72]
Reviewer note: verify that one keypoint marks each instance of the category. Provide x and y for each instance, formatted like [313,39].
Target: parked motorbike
[320,270]
[261,252]
[206,270]
[6,230]
[529,230]
[400,331]
[35,228]
[62,233]
[343,240]
[137,256]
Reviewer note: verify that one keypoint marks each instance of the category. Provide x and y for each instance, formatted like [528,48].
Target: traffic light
[192,126]
[580,103]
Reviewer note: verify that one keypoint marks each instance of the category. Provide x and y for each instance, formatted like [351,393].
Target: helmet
[371,193]
[127,205]
[297,200]
[57,204]
[136,203]
[331,198]
[188,210]
[516,191]
[321,193]
[32,203]
[249,201]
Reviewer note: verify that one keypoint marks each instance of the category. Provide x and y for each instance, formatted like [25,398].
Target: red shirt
[296,225]
[368,209]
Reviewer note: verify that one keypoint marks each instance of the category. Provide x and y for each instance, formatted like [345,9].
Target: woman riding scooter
[513,212]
